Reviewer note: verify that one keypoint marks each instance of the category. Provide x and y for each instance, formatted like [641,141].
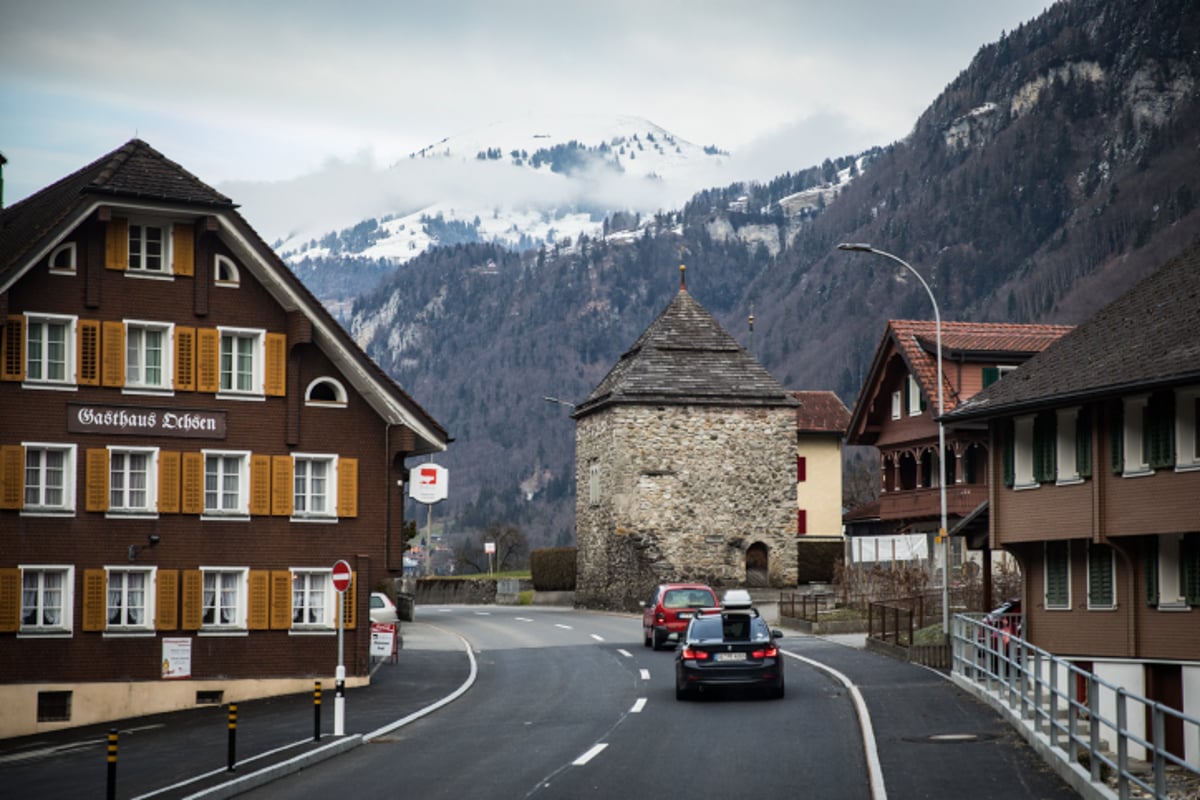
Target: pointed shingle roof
[685,357]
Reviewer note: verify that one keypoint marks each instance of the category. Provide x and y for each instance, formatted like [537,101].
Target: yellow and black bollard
[317,712]
[112,764]
[232,759]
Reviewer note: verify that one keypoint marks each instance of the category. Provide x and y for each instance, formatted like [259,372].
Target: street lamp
[855,247]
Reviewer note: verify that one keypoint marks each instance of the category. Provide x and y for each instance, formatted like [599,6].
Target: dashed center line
[564,627]
[595,750]
[645,674]
[597,637]
[638,706]
[624,652]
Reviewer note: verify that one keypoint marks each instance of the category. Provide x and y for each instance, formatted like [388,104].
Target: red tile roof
[821,412]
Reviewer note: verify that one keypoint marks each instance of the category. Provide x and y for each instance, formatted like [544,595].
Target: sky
[256,90]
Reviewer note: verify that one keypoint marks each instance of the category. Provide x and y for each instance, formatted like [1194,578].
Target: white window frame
[1187,430]
[1067,471]
[67,506]
[897,404]
[66,599]
[1023,453]
[135,372]
[69,325]
[150,507]
[1112,576]
[68,249]
[1134,444]
[219,592]
[142,255]
[339,392]
[229,370]
[1170,573]
[1046,580]
[225,272]
[242,506]
[304,497]
[303,581]
[149,576]
[914,396]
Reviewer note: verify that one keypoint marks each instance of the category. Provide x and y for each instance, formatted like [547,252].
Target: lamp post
[937,317]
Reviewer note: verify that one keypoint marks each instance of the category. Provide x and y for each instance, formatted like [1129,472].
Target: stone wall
[682,493]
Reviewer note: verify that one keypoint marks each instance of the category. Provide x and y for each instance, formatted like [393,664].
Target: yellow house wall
[821,491]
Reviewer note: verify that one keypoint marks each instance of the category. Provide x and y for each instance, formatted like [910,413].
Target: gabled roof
[136,176]
[686,358]
[1147,338]
[916,342]
[821,412]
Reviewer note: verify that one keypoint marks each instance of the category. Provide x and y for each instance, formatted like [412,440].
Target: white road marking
[522,619]
[597,637]
[596,750]
[560,625]
[624,652]
[638,706]
[483,613]
[645,674]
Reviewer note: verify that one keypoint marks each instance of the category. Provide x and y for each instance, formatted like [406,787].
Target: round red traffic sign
[341,576]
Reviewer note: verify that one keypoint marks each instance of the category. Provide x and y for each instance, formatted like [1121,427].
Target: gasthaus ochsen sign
[145,421]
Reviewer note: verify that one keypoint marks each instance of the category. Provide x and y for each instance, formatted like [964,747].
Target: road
[570,704]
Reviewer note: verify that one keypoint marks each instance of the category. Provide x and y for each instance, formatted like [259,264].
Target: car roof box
[737,600]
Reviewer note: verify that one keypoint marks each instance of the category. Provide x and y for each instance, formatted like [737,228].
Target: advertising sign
[428,483]
[176,658]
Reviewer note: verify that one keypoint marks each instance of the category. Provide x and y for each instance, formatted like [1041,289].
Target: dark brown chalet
[896,412]
[188,443]
[1097,455]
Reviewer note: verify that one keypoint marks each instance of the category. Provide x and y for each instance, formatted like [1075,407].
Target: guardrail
[1096,728]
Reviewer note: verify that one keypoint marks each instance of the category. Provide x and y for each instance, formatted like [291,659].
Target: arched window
[225,272]
[757,565]
[325,391]
[63,258]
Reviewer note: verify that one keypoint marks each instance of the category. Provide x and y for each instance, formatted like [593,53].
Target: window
[226,481]
[594,483]
[241,361]
[1066,446]
[45,599]
[1187,428]
[49,477]
[147,248]
[1101,576]
[896,404]
[148,352]
[132,480]
[916,403]
[993,374]
[62,260]
[129,599]
[1023,458]
[325,392]
[312,599]
[224,599]
[225,272]
[1058,575]
[313,479]
[50,349]
[1133,439]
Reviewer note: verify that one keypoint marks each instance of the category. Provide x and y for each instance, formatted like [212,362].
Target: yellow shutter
[191,496]
[347,502]
[208,354]
[193,599]
[116,244]
[281,486]
[112,370]
[166,600]
[260,485]
[349,606]
[12,348]
[185,358]
[95,599]
[88,337]
[183,249]
[96,480]
[281,599]
[275,374]
[258,617]
[10,600]
[12,476]
[168,481]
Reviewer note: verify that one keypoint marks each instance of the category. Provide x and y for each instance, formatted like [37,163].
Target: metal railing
[1097,728]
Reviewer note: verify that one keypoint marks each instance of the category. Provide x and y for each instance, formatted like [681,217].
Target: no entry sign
[341,576]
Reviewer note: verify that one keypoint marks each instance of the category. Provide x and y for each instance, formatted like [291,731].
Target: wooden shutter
[88,344]
[12,348]
[281,486]
[1160,430]
[10,600]
[1058,574]
[166,600]
[1150,565]
[168,481]
[191,481]
[1116,436]
[347,503]
[275,374]
[1189,557]
[112,371]
[1083,443]
[1008,433]
[801,521]
[95,600]
[1100,575]
[801,469]
[185,358]
[12,477]
[208,354]
[116,244]
[96,480]
[1045,447]
[192,597]
[281,599]
[183,249]
[349,606]
[260,485]
[990,376]
[258,617]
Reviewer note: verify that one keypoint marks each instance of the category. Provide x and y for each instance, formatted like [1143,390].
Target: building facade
[821,421]
[188,444]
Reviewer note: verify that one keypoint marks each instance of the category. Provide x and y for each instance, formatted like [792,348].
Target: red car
[670,607]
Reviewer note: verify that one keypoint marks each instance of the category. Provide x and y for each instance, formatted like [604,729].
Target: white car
[383,609]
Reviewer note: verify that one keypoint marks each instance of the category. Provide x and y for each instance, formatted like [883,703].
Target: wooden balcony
[961,499]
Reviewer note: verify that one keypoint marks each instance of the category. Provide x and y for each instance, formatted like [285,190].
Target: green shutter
[1160,430]
[1116,436]
[1083,443]
[1189,556]
[1150,562]
[1100,575]
[1058,574]
[1008,433]
[1045,447]
[990,376]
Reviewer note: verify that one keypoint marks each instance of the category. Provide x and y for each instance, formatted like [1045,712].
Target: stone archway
[757,565]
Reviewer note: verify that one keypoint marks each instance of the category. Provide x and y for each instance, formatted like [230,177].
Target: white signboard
[383,639]
[176,658]
[428,483]
[489,547]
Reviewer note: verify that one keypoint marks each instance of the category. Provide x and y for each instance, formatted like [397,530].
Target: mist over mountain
[1061,166]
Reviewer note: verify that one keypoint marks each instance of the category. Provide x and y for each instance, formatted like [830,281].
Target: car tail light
[661,617]
[770,652]
[696,655]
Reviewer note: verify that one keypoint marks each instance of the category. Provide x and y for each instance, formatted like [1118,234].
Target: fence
[1095,729]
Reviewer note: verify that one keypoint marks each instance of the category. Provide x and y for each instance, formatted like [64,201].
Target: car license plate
[731,657]
[685,615]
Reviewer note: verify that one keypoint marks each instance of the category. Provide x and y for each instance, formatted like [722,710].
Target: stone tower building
[685,466]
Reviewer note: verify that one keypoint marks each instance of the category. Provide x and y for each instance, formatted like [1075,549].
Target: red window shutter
[801,522]
[801,469]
